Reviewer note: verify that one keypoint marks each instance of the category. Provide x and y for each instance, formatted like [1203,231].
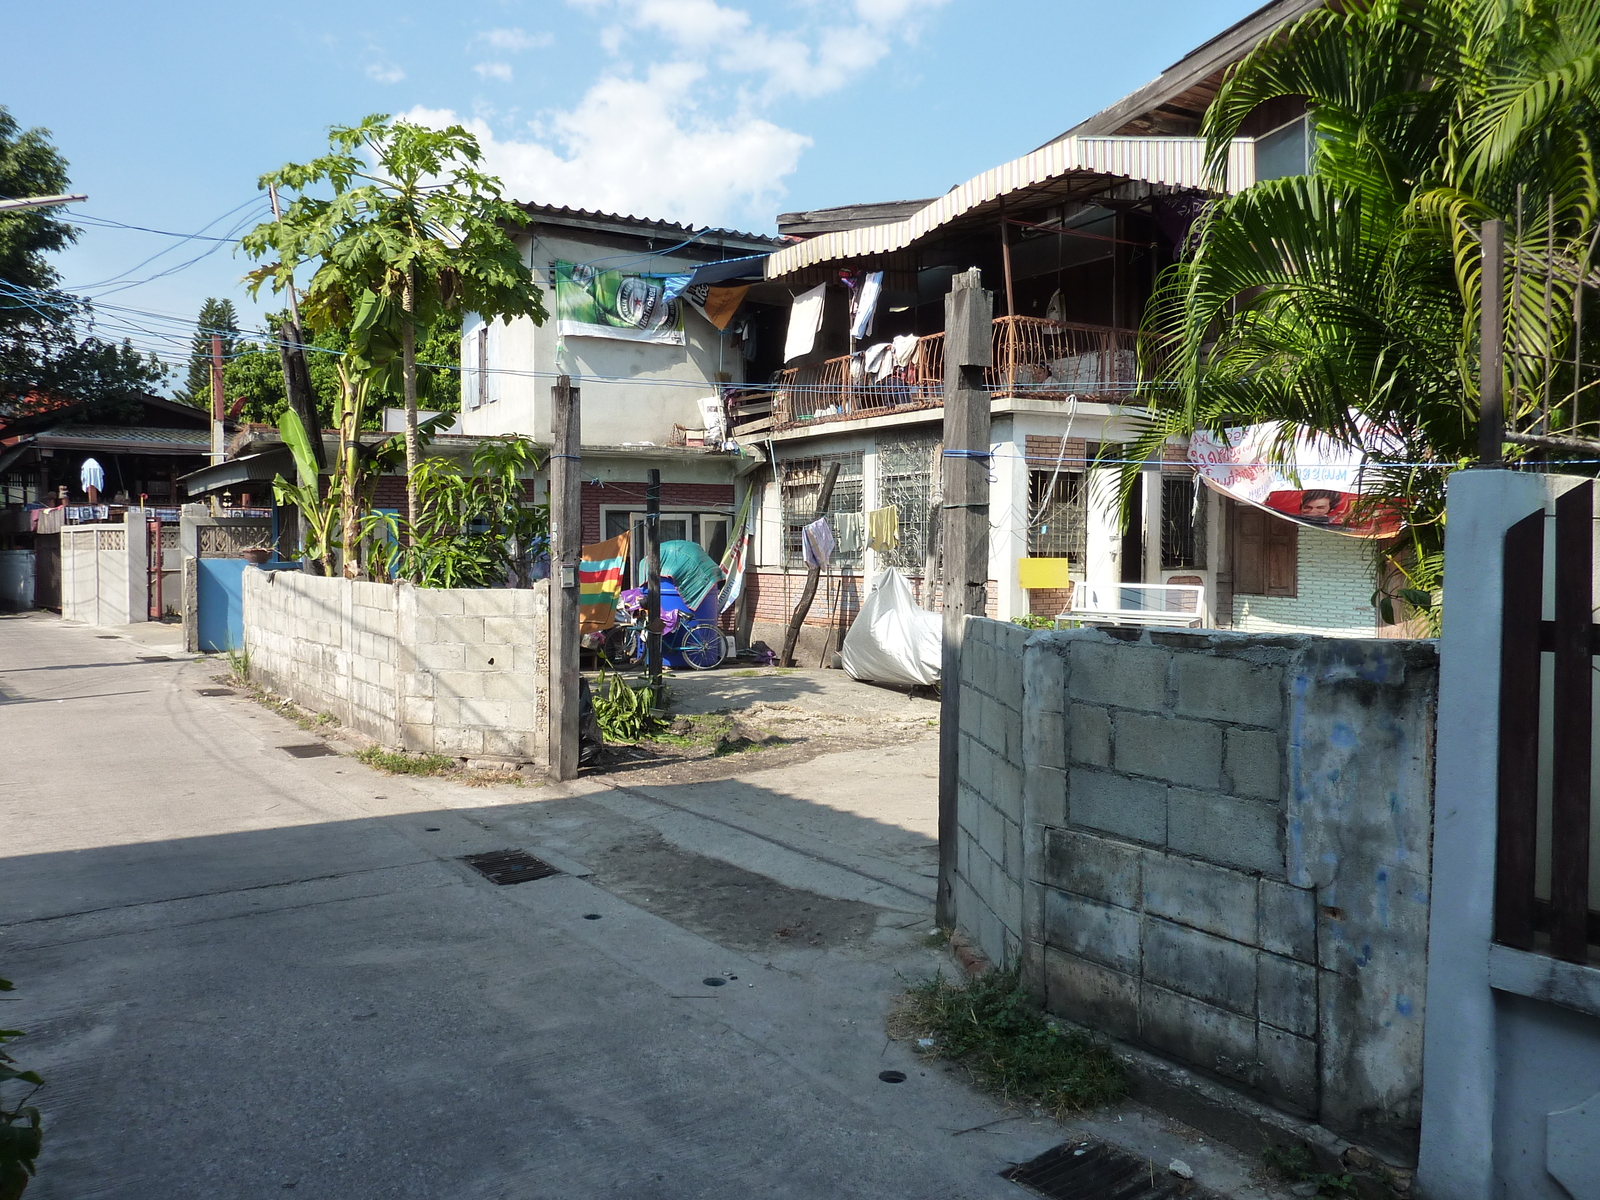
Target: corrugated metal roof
[559,212]
[129,436]
[1173,162]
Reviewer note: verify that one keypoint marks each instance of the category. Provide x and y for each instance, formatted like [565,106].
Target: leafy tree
[1344,302]
[46,361]
[21,1135]
[216,317]
[412,233]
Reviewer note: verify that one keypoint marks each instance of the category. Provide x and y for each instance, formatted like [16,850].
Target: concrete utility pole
[652,602]
[566,537]
[968,349]
[813,574]
[216,400]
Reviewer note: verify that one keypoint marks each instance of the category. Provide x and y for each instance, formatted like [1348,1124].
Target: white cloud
[514,41]
[642,146]
[385,72]
[493,70]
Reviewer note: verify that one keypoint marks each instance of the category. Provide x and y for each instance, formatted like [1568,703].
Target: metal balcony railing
[1049,360]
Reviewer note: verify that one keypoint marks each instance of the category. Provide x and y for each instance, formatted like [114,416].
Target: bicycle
[699,643]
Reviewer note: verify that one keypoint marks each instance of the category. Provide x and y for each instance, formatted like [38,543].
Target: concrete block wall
[447,671]
[1226,857]
[989,870]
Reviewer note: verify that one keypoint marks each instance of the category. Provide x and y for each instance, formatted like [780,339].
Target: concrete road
[246,974]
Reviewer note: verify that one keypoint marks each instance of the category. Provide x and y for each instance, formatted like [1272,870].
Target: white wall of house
[1334,593]
[498,402]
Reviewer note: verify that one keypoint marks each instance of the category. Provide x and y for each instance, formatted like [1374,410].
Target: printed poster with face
[618,304]
[1321,487]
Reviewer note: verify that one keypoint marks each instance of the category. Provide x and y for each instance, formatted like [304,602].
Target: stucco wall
[1225,852]
[447,671]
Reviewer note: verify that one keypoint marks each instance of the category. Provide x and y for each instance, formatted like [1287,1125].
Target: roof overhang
[252,468]
[1177,163]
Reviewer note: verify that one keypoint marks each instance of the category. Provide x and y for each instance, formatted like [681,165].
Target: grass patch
[392,763]
[989,1026]
[1294,1163]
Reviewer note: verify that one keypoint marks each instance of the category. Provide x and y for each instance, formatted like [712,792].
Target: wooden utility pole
[969,348]
[813,574]
[652,611]
[566,537]
[1491,347]
[216,399]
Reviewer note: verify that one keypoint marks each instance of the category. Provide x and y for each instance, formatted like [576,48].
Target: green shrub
[626,713]
[394,763]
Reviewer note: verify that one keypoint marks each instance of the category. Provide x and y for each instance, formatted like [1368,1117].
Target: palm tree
[1345,300]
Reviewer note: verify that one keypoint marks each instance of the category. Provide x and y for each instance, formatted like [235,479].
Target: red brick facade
[631,495]
[773,595]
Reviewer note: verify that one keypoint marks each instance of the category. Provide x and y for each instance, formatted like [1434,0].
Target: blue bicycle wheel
[701,647]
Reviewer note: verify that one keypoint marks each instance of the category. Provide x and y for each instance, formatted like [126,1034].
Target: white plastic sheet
[892,640]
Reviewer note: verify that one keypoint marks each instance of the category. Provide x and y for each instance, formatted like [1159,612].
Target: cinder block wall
[1226,854]
[447,671]
[989,866]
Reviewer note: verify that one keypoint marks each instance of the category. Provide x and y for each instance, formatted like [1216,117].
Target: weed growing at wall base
[406,764]
[989,1026]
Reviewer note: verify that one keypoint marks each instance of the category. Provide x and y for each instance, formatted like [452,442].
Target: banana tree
[317,511]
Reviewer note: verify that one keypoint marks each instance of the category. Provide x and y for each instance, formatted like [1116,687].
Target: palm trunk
[350,486]
[408,372]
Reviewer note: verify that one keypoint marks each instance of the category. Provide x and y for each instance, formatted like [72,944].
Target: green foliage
[474,529]
[46,358]
[989,1026]
[393,763]
[21,1135]
[1034,621]
[1345,302]
[1294,1163]
[239,666]
[216,317]
[318,511]
[627,713]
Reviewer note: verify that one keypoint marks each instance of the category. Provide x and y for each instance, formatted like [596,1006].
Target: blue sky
[706,111]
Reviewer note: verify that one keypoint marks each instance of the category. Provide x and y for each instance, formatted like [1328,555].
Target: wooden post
[968,348]
[652,531]
[1491,347]
[566,538]
[813,574]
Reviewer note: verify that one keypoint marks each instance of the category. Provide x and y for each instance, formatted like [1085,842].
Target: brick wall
[447,671]
[1049,602]
[1334,592]
[1225,846]
[838,600]
[631,495]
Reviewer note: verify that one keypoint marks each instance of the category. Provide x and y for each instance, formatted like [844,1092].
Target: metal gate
[219,587]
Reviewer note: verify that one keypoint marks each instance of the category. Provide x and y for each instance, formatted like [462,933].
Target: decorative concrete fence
[1215,847]
[446,671]
[105,571]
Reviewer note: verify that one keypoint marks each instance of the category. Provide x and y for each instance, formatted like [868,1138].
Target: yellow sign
[1044,572]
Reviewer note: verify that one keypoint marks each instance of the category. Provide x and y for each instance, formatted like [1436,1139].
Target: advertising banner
[618,304]
[1321,486]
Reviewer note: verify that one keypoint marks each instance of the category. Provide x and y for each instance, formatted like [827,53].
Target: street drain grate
[309,750]
[1093,1171]
[509,866]
[216,691]
[154,657]
[106,637]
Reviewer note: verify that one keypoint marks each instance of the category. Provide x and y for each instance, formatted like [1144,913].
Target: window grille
[905,480]
[1059,522]
[1183,524]
[800,482]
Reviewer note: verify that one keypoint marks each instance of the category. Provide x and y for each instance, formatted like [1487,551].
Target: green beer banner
[617,304]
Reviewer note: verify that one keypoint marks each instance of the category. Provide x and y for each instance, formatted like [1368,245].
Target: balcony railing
[1049,360]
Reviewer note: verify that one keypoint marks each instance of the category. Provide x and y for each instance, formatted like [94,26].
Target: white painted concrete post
[1150,482]
[1008,520]
[137,540]
[1456,1159]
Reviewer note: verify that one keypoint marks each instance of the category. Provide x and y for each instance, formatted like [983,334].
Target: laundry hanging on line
[867,305]
[883,529]
[849,532]
[817,543]
[805,319]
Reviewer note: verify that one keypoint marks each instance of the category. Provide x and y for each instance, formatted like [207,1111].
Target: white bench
[1169,604]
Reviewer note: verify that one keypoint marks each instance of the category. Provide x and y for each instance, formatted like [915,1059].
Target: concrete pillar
[1150,482]
[1008,520]
[137,538]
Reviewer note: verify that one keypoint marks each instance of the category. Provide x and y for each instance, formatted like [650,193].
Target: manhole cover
[310,750]
[216,691]
[154,657]
[1094,1171]
[509,866]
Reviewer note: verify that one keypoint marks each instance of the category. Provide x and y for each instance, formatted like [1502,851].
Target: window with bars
[1183,523]
[1059,515]
[905,480]
[800,482]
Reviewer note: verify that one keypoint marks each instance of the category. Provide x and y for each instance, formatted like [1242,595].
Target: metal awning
[252,468]
[1176,162]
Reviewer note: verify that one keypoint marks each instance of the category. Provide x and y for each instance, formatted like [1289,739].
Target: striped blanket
[600,574]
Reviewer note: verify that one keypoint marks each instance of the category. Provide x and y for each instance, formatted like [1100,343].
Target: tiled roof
[126,435]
